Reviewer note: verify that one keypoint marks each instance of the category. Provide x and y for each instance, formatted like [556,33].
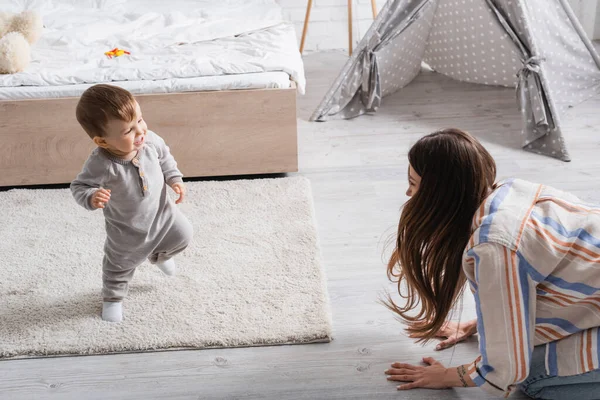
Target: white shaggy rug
[251,276]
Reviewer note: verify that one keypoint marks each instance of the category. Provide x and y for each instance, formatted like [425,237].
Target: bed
[218,80]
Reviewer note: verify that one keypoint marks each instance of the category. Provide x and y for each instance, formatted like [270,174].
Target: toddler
[127,176]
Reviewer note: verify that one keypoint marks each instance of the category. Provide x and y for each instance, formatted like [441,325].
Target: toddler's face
[123,138]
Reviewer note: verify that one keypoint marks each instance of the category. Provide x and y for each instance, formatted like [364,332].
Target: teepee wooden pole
[349,27]
[374,8]
[306,18]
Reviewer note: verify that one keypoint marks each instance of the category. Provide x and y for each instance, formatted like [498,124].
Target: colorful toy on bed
[116,52]
[17,33]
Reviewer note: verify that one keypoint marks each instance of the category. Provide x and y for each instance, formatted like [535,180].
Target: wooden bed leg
[374,8]
[306,18]
[350,27]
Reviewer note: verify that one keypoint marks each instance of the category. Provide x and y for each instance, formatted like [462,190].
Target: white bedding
[263,80]
[168,40]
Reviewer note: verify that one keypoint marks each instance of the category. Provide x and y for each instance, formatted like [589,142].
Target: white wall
[328,26]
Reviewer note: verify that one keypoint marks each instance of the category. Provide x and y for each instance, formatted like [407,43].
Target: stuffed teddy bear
[17,33]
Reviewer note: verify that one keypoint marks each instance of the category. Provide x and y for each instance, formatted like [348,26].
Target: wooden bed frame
[217,133]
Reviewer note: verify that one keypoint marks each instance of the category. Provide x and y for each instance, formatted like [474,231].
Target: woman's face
[414,181]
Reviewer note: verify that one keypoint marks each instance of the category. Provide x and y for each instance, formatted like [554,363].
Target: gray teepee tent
[537,46]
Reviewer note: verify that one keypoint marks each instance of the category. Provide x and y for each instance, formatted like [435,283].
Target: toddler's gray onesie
[142,222]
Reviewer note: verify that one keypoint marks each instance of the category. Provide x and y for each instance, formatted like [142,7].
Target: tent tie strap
[530,86]
[532,64]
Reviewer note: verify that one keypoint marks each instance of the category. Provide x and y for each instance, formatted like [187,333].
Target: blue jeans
[539,385]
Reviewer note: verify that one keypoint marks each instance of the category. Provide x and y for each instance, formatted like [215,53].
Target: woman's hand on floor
[431,376]
[453,333]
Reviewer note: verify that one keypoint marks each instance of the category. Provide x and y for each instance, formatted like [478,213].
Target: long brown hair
[456,174]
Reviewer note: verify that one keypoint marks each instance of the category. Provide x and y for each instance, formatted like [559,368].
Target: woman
[531,256]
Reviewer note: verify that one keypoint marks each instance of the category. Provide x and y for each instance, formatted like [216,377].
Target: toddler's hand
[100,198]
[179,188]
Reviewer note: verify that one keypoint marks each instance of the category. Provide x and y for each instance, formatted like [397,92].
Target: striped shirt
[533,265]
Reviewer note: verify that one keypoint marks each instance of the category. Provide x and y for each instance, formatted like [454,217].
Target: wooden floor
[357,169]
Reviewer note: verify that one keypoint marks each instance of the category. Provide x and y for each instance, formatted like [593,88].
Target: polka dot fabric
[465,40]
[399,61]
[386,60]
[468,43]
[569,72]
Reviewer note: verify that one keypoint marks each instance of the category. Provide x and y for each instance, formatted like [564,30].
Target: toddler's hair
[101,103]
